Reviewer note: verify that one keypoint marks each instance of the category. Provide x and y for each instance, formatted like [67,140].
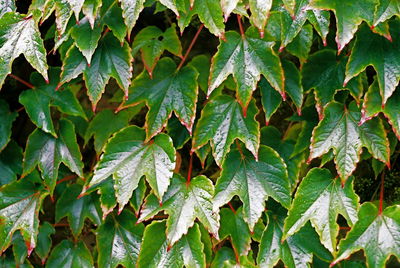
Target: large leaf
[320,198]
[221,122]
[156,251]
[77,209]
[253,181]
[184,202]
[127,157]
[167,91]
[70,255]
[20,35]
[118,240]
[377,233]
[246,58]
[20,203]
[48,153]
[339,130]
[109,60]
[6,118]
[37,101]
[382,54]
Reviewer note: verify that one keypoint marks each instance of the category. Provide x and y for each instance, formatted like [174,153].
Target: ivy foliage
[199,133]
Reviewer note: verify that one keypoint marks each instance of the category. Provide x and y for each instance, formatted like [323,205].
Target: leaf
[152,42]
[320,198]
[110,60]
[301,44]
[86,38]
[320,19]
[202,65]
[69,255]
[246,58]
[20,202]
[77,208]
[6,6]
[130,12]
[349,15]
[253,181]
[156,251]
[184,202]
[270,99]
[374,50]
[118,240]
[48,152]
[385,10]
[232,225]
[228,6]
[6,118]
[76,6]
[222,122]
[37,101]
[293,251]
[339,130]
[10,163]
[91,8]
[225,258]
[127,157]
[259,13]
[376,233]
[115,121]
[210,13]
[20,35]
[111,15]
[293,85]
[169,90]
[44,241]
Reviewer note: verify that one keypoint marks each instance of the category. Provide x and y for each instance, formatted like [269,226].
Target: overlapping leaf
[339,130]
[69,255]
[127,157]
[130,11]
[6,118]
[184,202]
[221,122]
[253,181]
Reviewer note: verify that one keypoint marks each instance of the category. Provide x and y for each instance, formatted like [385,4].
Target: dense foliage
[199,133]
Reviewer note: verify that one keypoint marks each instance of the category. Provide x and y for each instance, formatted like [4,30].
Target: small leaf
[246,58]
[20,35]
[118,240]
[376,233]
[6,118]
[320,198]
[91,8]
[10,163]
[253,181]
[127,158]
[339,130]
[259,13]
[69,255]
[202,64]
[77,209]
[228,6]
[320,19]
[156,251]
[222,122]
[49,152]
[184,202]
[270,99]
[111,15]
[130,11]
[301,44]
[44,241]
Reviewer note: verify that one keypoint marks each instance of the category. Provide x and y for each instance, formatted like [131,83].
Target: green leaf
[156,251]
[210,13]
[86,38]
[233,225]
[20,35]
[7,6]
[111,15]
[19,249]
[320,198]
[118,240]
[6,118]
[91,9]
[130,11]
[228,6]
[127,151]
[320,19]
[115,121]
[19,210]
[69,255]
[169,90]
[246,58]
[202,64]
[49,152]
[339,130]
[110,60]
[293,85]
[44,241]
[225,258]
[376,233]
[222,122]
[295,251]
[10,163]
[382,54]
[152,42]
[270,99]
[76,6]
[259,13]
[253,181]
[301,44]
[77,208]
[177,132]
[385,10]
[37,101]
[184,202]
[349,15]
